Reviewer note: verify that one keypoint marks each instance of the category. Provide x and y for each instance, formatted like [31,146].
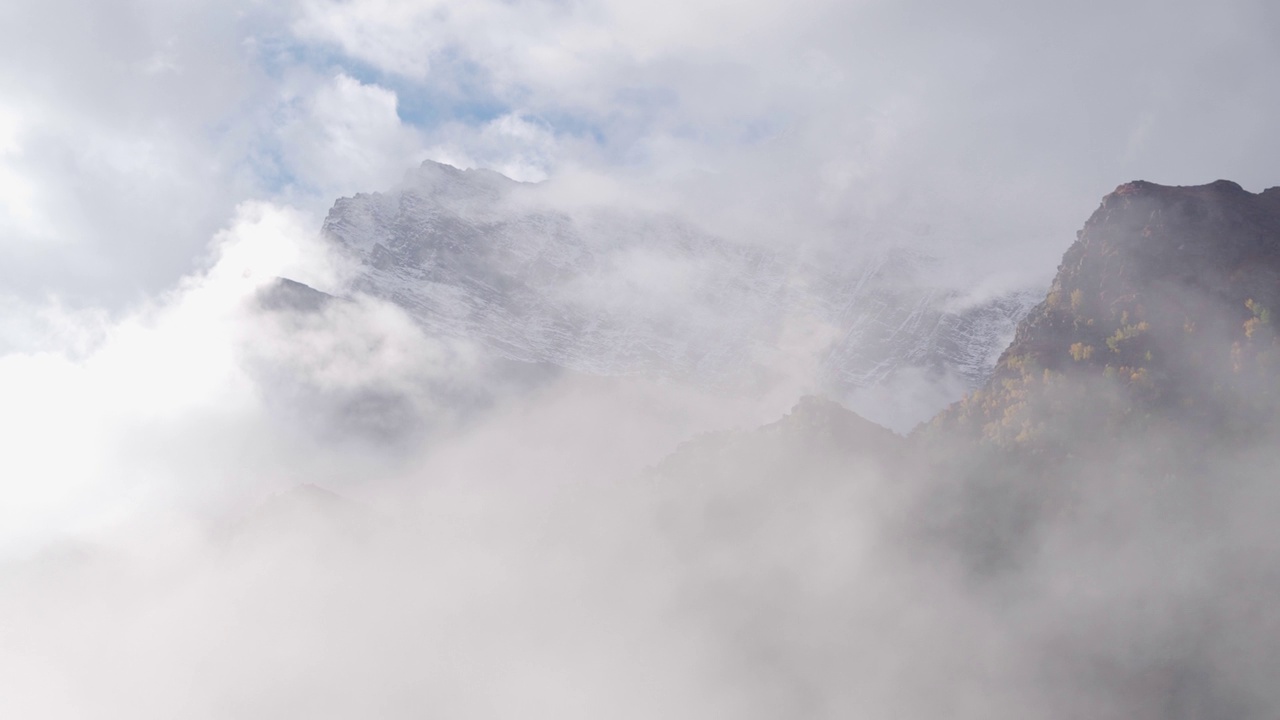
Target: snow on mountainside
[610,292]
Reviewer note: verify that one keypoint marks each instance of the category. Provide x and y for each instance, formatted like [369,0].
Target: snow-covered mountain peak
[470,253]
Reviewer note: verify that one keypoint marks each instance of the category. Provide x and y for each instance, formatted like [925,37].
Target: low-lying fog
[231,511]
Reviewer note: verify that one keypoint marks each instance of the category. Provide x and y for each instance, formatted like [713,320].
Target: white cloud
[395,36]
[346,136]
[148,122]
[553,45]
[510,144]
[105,415]
[18,214]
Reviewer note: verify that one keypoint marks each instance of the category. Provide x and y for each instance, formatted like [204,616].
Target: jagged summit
[444,177]
[473,254]
[284,294]
[1167,291]
[1164,255]
[435,167]
[820,418]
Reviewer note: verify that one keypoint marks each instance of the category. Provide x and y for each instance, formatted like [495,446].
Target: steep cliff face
[476,255]
[1167,295]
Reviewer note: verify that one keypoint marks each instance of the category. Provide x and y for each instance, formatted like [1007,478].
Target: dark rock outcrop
[285,295]
[1167,294]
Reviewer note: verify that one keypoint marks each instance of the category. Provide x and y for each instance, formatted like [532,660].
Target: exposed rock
[1167,293]
[473,254]
[283,294]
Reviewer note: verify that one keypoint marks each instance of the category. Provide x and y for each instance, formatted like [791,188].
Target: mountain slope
[474,254]
[1109,510]
[1166,296]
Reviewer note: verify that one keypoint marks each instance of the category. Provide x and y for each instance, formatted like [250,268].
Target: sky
[130,130]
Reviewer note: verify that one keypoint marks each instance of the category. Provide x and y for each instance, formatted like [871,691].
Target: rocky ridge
[1166,295]
[473,254]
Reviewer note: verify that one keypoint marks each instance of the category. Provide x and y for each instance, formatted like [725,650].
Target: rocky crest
[473,254]
[1167,293]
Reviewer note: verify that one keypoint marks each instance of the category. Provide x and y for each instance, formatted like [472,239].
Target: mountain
[1089,535]
[1166,297]
[609,292]
[828,438]
[1102,509]
[1144,388]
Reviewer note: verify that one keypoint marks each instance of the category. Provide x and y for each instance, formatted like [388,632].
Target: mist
[329,512]
[573,553]
[301,417]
